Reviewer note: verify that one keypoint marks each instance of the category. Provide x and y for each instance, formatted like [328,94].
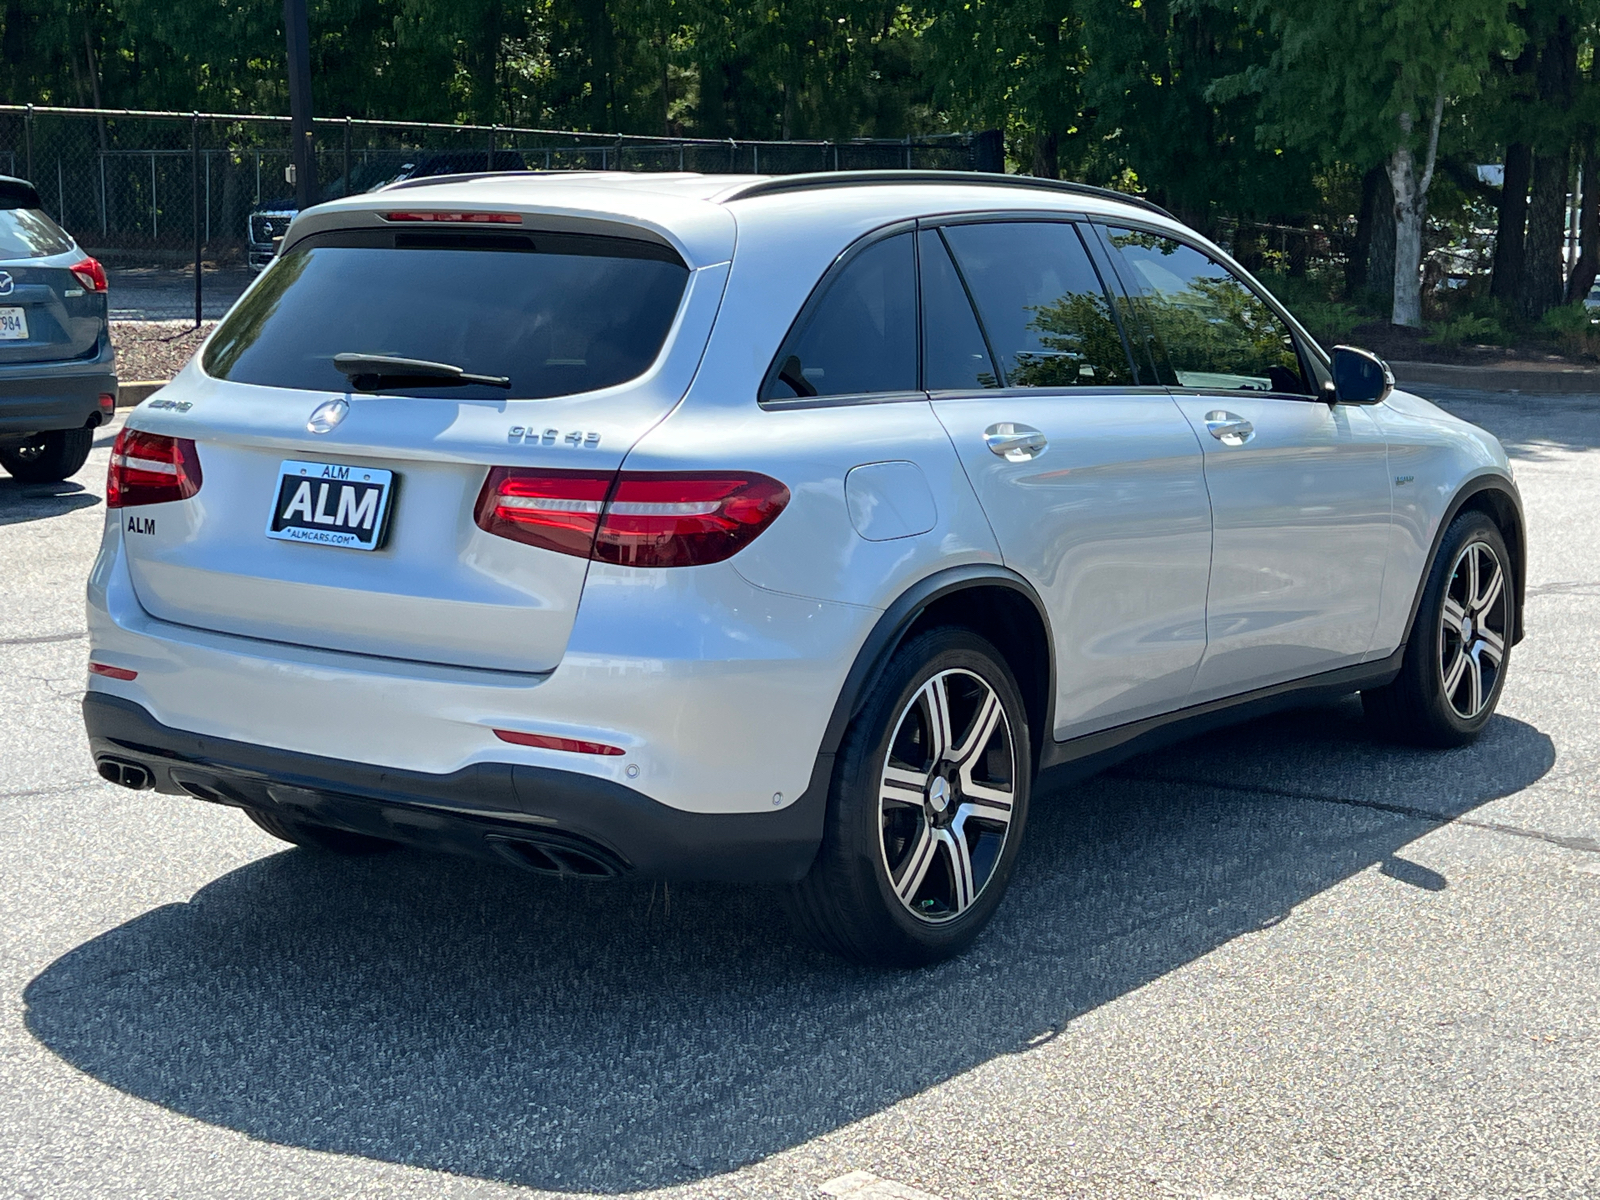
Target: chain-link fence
[146,187]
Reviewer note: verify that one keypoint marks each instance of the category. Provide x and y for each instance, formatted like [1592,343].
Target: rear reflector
[150,468]
[635,518]
[89,273]
[544,741]
[457,218]
[124,674]
[108,403]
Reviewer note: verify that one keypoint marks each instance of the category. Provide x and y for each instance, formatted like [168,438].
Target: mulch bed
[155,349]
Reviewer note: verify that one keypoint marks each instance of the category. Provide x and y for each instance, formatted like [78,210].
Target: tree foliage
[1229,112]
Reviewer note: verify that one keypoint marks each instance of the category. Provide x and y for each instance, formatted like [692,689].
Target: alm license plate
[13,325]
[331,505]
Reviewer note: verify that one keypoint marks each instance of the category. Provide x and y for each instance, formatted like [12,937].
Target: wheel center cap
[939,794]
[1466,629]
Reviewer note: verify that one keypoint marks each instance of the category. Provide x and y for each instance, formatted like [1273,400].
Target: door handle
[1228,428]
[1013,442]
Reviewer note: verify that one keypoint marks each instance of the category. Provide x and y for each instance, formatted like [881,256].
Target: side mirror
[1359,377]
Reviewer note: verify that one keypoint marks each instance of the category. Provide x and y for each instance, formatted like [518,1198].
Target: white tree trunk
[1410,208]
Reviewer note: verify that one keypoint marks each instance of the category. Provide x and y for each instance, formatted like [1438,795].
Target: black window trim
[1313,364]
[814,300]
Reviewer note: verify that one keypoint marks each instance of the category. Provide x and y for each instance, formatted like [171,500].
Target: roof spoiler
[18,193]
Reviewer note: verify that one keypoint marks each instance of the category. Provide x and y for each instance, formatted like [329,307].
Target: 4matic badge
[549,437]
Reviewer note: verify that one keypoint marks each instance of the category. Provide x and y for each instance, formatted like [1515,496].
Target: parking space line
[864,1185]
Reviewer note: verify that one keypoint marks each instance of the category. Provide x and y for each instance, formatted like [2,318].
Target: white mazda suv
[779,529]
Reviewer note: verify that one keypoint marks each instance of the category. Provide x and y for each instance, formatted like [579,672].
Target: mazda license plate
[331,505]
[13,325]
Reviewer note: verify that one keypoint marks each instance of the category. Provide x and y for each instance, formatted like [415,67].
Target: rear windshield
[557,314]
[28,233]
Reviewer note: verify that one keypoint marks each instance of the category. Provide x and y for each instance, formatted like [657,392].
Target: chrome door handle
[1229,429]
[1015,443]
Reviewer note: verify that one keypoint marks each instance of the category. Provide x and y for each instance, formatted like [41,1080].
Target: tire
[318,837]
[1460,646]
[915,824]
[48,457]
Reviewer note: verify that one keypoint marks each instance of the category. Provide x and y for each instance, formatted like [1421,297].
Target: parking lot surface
[1283,960]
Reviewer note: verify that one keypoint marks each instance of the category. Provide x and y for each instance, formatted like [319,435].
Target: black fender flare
[1517,543]
[898,619]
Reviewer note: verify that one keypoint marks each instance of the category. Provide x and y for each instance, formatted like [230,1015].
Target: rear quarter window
[28,233]
[557,314]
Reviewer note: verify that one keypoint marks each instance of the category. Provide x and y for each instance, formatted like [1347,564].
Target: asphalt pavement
[1283,960]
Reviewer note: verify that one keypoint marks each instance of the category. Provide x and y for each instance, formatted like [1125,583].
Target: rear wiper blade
[369,372]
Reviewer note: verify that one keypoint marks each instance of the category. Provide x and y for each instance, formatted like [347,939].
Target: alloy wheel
[946,795]
[1472,629]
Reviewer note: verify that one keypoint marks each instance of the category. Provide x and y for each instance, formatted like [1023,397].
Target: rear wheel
[1455,662]
[317,837]
[48,457]
[926,811]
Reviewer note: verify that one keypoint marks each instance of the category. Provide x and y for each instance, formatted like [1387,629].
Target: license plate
[327,504]
[13,325]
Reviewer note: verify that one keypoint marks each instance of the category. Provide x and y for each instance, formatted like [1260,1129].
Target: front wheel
[1455,662]
[48,457]
[926,810]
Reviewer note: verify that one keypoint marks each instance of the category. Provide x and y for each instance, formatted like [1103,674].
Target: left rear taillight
[90,273]
[150,468]
[633,518]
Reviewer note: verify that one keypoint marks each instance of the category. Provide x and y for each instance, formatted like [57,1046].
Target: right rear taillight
[150,468]
[632,518]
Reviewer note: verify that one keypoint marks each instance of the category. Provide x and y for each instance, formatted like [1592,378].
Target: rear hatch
[597,337]
[46,312]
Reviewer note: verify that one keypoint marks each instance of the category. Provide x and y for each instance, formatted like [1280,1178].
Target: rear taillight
[634,518]
[148,468]
[89,273]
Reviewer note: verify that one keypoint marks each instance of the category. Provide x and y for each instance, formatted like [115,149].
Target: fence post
[347,156]
[104,224]
[27,135]
[154,221]
[194,192]
[492,128]
[61,193]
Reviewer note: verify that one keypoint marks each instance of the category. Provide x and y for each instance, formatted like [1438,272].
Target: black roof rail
[826,179]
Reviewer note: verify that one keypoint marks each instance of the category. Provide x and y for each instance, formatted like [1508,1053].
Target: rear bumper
[36,397]
[538,817]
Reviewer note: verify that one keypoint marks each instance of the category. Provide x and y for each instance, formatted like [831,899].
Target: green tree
[1370,81]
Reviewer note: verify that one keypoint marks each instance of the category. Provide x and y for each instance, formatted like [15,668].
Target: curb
[1552,380]
[137,391]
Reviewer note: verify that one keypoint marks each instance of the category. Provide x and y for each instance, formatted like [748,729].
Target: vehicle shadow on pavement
[607,1038]
[22,502]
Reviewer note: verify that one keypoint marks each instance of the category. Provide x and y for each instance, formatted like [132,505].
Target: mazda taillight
[90,273]
[633,518]
[149,468]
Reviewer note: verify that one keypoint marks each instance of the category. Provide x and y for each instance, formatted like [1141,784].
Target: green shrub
[1329,321]
[1571,327]
[1467,329]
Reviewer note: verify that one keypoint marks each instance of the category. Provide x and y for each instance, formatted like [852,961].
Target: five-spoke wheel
[926,809]
[1455,660]
[948,781]
[1472,629]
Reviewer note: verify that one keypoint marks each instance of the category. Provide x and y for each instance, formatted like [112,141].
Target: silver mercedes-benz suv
[775,529]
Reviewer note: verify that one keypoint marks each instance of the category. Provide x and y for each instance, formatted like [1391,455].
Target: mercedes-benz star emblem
[6,284]
[326,415]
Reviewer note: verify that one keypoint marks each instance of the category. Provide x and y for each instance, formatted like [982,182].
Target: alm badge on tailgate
[331,505]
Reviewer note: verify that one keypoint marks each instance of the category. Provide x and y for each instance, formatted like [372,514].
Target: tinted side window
[954,356]
[1210,330]
[860,336]
[1043,307]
